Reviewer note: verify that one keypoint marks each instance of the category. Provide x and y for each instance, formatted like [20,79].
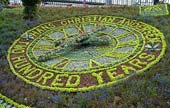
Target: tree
[30,8]
[156,1]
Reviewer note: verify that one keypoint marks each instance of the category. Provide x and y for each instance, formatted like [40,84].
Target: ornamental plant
[30,8]
[4,2]
[71,60]
[155,10]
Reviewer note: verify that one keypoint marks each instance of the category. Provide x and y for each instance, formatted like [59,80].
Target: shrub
[31,7]
[5,2]
[156,1]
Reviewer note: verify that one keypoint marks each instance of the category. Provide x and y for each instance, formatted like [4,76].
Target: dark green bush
[31,7]
[5,2]
[156,1]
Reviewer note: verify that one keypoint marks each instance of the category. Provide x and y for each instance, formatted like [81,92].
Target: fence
[73,2]
[95,2]
[98,2]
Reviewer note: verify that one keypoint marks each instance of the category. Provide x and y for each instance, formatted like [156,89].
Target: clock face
[124,44]
[84,53]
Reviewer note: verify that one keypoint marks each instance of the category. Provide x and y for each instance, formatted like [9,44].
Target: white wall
[15,2]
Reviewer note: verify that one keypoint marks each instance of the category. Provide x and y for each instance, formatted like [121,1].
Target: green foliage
[156,1]
[57,43]
[155,10]
[31,8]
[77,42]
[30,12]
[4,2]
[31,2]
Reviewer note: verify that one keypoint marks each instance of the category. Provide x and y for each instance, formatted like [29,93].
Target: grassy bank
[149,90]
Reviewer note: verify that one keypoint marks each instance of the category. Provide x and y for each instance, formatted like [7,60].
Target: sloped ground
[149,90]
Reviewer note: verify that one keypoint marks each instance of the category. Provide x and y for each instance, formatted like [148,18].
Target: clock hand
[66,45]
[63,46]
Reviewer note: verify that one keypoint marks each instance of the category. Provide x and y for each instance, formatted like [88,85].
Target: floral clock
[85,53]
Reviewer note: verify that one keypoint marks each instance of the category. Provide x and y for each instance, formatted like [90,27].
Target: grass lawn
[148,90]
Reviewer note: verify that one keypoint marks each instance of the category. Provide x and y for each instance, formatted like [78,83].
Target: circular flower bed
[8,103]
[43,57]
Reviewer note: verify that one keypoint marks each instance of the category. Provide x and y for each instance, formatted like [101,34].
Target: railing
[98,2]
[73,2]
[94,2]
[88,2]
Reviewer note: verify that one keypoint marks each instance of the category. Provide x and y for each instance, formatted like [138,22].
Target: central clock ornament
[84,47]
